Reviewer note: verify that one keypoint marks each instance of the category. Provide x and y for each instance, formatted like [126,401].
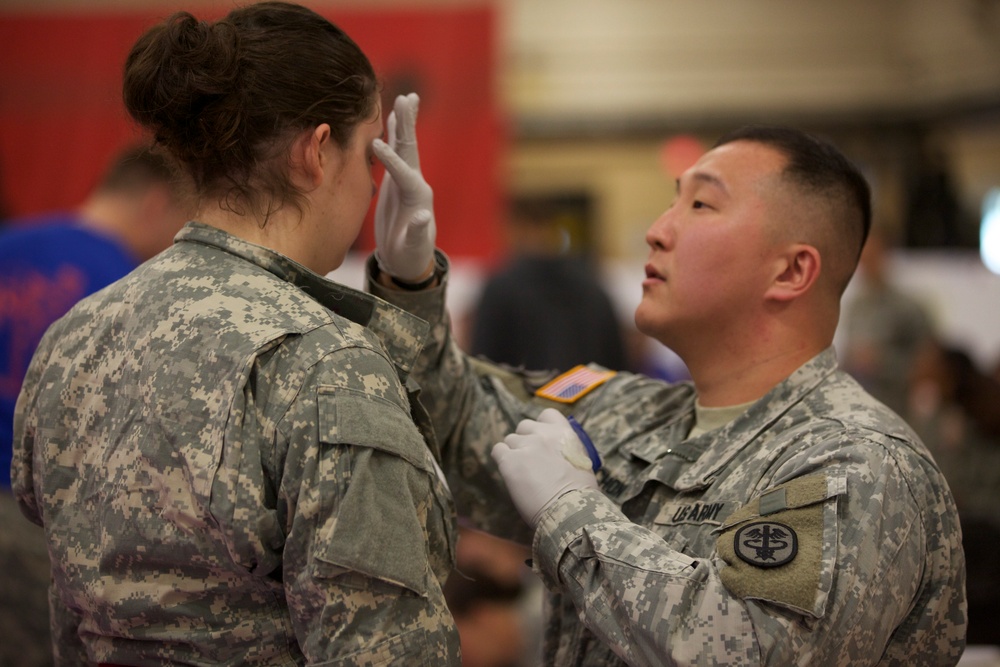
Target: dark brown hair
[225,99]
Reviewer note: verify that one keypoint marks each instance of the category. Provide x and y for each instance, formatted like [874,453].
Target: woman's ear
[308,158]
[799,270]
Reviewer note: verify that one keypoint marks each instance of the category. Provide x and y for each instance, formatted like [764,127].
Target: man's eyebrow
[706,178]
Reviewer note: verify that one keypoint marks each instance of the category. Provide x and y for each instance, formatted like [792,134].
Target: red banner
[61,116]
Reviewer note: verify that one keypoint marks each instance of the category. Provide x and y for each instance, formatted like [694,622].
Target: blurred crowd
[893,347]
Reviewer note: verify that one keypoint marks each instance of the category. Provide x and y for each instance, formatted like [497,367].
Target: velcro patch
[574,384]
[781,546]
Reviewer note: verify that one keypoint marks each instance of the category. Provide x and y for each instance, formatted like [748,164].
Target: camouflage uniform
[230,470]
[814,529]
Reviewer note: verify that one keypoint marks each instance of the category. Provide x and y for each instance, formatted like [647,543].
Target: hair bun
[225,99]
[174,72]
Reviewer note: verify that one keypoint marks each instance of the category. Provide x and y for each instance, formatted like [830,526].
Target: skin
[145,220]
[338,184]
[731,284]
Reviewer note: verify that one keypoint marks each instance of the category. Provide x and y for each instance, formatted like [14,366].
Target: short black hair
[137,167]
[817,165]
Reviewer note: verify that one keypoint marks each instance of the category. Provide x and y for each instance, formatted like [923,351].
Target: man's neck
[106,215]
[746,377]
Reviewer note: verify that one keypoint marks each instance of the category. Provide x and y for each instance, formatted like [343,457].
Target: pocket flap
[347,417]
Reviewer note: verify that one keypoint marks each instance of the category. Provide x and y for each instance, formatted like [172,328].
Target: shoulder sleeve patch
[574,384]
[782,546]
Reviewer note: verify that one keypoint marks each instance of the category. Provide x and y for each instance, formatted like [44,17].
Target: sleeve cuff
[562,524]
[427,304]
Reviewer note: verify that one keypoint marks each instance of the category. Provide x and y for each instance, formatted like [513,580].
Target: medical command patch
[766,544]
[573,384]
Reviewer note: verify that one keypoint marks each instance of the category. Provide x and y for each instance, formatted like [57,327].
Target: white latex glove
[404,214]
[541,461]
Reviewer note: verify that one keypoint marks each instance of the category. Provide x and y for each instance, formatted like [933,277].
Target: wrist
[430,278]
[420,284]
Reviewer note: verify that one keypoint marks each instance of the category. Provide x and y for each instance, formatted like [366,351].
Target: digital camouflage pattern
[647,571]
[223,453]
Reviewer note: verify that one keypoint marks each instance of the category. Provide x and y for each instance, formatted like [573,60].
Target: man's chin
[644,321]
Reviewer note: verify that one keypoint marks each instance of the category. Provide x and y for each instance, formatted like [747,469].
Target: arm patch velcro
[781,546]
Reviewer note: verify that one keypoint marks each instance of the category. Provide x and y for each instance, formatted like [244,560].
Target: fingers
[397,167]
[527,427]
[404,134]
[547,417]
[499,451]
[551,416]
[405,108]
[390,129]
[518,441]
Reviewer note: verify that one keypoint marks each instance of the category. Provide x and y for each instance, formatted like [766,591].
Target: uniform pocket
[381,529]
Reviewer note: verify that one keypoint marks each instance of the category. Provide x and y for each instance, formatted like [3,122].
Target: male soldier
[769,512]
[50,261]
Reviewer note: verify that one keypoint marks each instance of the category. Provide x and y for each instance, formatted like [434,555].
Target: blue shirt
[47,264]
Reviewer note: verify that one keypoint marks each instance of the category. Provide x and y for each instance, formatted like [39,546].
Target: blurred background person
[546,308]
[884,327]
[953,405]
[51,261]
[48,263]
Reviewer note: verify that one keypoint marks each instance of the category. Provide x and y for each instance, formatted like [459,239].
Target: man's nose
[660,233]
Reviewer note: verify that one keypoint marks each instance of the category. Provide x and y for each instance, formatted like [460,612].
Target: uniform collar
[402,333]
[745,429]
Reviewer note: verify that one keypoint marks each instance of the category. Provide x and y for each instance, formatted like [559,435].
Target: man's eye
[699,204]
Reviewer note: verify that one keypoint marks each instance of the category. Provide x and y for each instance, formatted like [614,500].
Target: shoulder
[635,393]
[621,406]
[839,400]
[839,421]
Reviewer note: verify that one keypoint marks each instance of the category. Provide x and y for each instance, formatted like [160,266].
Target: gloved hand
[541,461]
[404,214]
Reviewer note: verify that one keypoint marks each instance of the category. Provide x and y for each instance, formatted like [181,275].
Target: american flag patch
[573,384]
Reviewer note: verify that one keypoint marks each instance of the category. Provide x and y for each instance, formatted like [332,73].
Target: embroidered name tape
[707,513]
[573,384]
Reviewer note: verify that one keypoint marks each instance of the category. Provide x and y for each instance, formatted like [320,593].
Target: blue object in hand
[595,458]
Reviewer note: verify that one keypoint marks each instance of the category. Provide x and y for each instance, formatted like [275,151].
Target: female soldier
[221,446]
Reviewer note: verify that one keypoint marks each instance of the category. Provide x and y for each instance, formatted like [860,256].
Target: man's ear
[308,158]
[798,271]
